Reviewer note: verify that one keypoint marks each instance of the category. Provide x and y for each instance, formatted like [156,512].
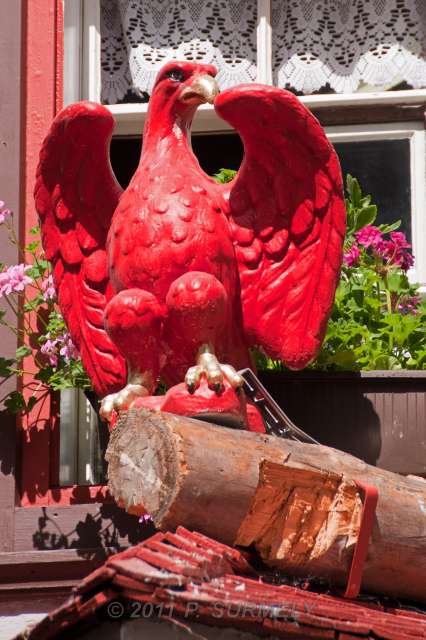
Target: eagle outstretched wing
[76,194]
[287,219]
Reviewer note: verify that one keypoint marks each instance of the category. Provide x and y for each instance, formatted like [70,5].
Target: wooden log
[303,521]
[204,477]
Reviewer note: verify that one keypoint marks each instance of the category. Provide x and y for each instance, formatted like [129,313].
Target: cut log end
[181,470]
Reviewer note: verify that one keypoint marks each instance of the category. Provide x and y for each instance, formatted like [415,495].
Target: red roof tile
[199,579]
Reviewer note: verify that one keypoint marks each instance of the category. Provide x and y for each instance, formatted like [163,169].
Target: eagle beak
[204,88]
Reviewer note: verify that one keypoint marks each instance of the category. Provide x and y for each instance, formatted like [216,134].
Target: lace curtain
[348,44]
[336,45]
[139,36]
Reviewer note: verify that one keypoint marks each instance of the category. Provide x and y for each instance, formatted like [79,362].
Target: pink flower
[145,518]
[352,256]
[62,345]
[13,279]
[409,304]
[369,236]
[68,351]
[48,289]
[49,348]
[6,213]
[403,259]
[395,252]
[385,249]
[400,240]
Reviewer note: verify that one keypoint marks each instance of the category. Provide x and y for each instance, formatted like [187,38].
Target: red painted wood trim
[39,106]
[42,98]
[59,56]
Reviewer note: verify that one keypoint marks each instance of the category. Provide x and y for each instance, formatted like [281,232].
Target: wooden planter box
[378,416]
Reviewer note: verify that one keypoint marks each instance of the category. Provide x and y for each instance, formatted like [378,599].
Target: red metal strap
[113,420]
[370,498]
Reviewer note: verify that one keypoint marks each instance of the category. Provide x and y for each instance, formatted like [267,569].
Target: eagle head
[181,87]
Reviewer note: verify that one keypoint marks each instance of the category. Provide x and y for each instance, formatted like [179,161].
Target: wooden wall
[10,173]
[379,417]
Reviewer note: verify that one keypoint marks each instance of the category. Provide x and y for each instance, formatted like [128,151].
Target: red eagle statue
[178,274]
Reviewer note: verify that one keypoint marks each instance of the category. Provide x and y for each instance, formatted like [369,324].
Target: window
[82,441]
[389,159]
[335,54]
[359,65]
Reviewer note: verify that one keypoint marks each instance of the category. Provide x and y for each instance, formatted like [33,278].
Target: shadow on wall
[106,531]
[7,449]
[337,413]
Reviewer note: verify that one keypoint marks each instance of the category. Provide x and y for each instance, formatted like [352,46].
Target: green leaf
[32,246]
[224,175]
[35,230]
[344,359]
[33,304]
[373,303]
[387,228]
[366,216]
[387,363]
[397,281]
[354,190]
[22,352]
[44,374]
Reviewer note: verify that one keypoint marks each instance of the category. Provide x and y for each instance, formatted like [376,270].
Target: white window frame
[414,132]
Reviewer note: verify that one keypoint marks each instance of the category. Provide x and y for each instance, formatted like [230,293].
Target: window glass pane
[212,151]
[138,38]
[83,441]
[382,168]
[125,154]
[72,51]
[350,45]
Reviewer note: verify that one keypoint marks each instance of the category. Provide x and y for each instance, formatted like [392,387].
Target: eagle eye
[176,75]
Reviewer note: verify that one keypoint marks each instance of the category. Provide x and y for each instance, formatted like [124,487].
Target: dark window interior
[214,152]
[383,170]
[125,154]
[381,166]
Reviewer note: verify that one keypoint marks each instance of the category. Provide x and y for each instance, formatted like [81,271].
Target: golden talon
[214,372]
[121,400]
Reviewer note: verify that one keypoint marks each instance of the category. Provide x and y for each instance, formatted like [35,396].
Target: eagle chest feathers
[165,226]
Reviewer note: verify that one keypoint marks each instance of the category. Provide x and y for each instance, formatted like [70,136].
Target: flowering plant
[378,319]
[28,293]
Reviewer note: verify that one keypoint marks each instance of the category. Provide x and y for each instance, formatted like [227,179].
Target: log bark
[204,477]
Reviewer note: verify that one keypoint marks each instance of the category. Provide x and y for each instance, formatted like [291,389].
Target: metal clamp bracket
[277,422]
